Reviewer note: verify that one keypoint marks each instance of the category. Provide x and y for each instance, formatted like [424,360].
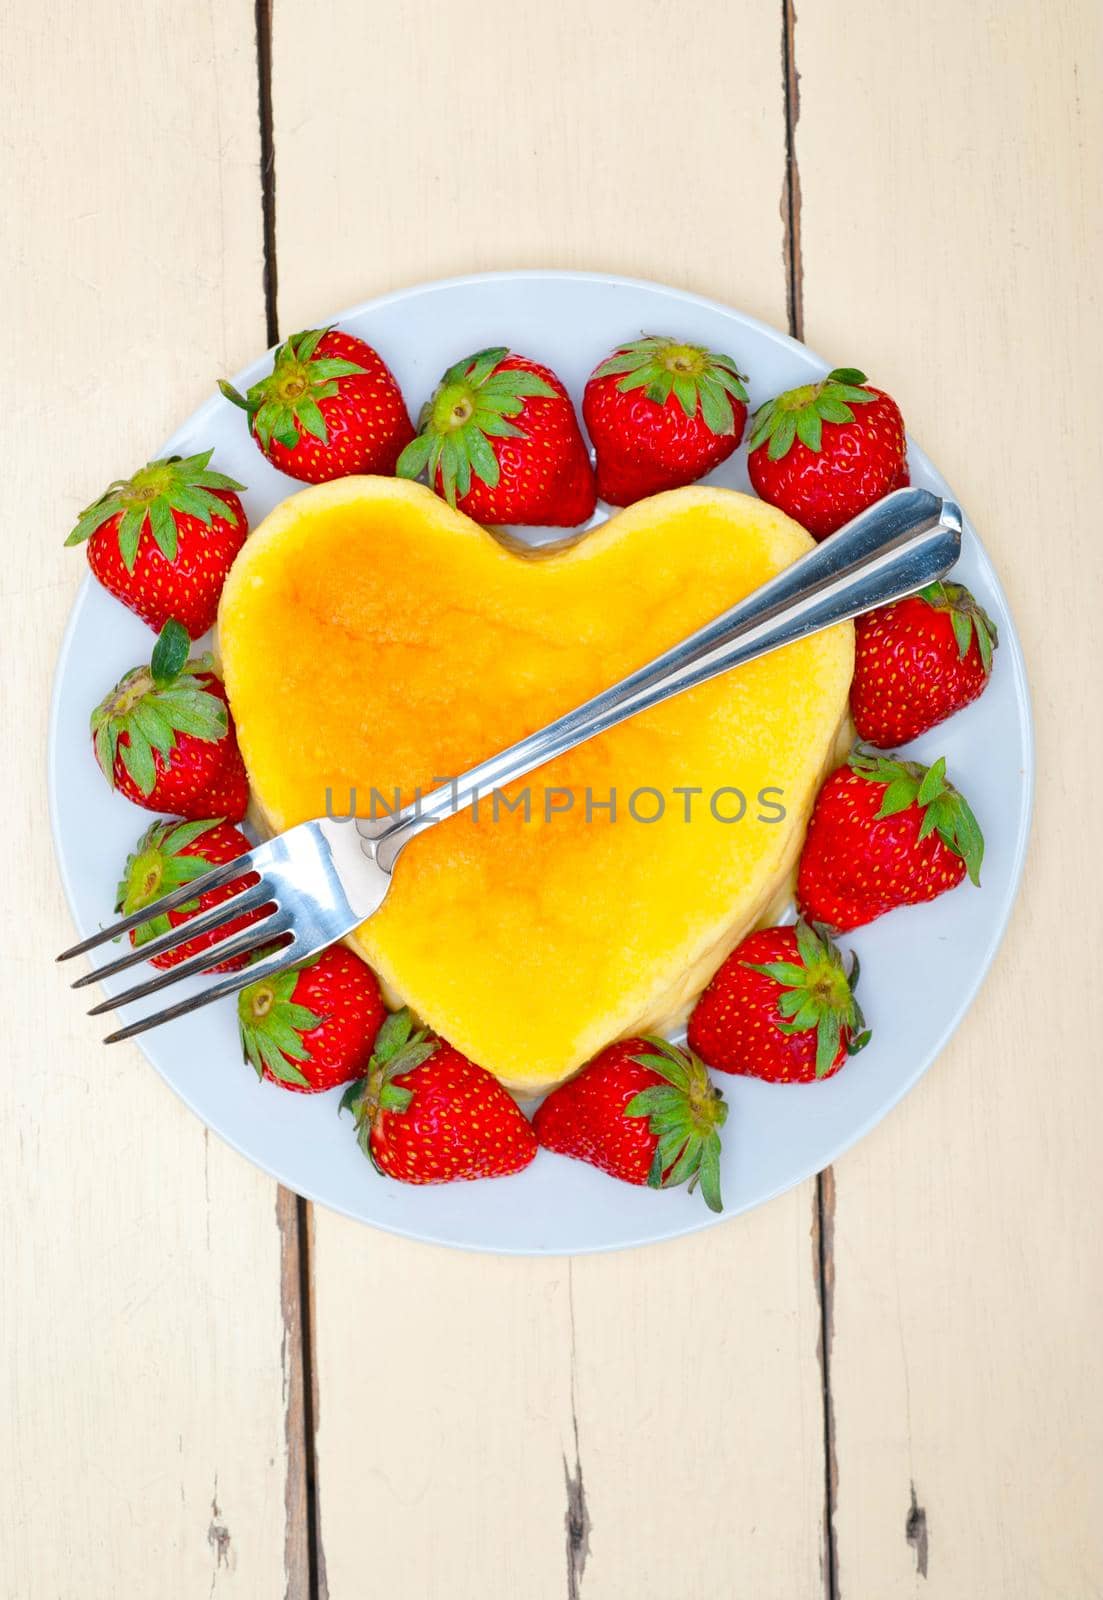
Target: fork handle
[905,541]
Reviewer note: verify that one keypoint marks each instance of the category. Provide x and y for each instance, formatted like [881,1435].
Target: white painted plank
[609,137]
[950,172]
[614,137]
[142,1399]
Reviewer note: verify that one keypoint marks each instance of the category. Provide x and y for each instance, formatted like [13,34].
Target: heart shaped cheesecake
[373,639]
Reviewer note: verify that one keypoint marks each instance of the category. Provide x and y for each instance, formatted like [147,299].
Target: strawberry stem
[271,1025]
[817,992]
[699,379]
[399,1048]
[800,413]
[470,407]
[285,404]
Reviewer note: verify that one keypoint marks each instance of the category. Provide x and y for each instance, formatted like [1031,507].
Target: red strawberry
[661,414]
[314,1026]
[918,661]
[820,460]
[168,855]
[884,833]
[781,1007]
[165,739]
[643,1111]
[163,541]
[330,407]
[499,439]
[425,1114]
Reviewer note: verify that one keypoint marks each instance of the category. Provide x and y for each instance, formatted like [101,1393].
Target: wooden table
[885,1383]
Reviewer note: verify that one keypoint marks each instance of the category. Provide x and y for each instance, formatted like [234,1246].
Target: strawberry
[918,661]
[643,1111]
[168,855]
[821,461]
[479,457]
[781,1008]
[424,1113]
[312,1027]
[163,541]
[884,833]
[165,739]
[330,407]
[661,414]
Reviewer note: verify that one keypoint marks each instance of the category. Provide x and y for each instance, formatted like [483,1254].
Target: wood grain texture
[952,240]
[491,1427]
[142,1410]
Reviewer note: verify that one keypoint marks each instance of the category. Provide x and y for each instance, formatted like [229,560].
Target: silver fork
[319,880]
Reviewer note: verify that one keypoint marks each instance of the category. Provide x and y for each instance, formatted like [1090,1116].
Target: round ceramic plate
[775,1135]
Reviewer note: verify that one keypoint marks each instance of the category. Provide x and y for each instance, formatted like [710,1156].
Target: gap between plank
[267,165]
[790,194]
[304,1558]
[823,1265]
[296,1552]
[319,1589]
[823,1219]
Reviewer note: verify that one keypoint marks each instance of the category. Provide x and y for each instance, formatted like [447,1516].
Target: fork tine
[237,905]
[241,867]
[230,984]
[255,937]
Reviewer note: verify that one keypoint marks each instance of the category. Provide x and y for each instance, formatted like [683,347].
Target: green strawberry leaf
[709,1170]
[810,428]
[193,711]
[170,652]
[932,783]
[311,420]
[716,410]
[831,409]
[130,531]
[155,729]
[137,758]
[663,1097]
[352,1095]
[163,527]
[782,436]
[414,459]
[91,520]
[105,740]
[396,1031]
[686,392]
[518,384]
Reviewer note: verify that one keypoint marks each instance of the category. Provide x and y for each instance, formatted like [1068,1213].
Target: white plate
[921,966]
